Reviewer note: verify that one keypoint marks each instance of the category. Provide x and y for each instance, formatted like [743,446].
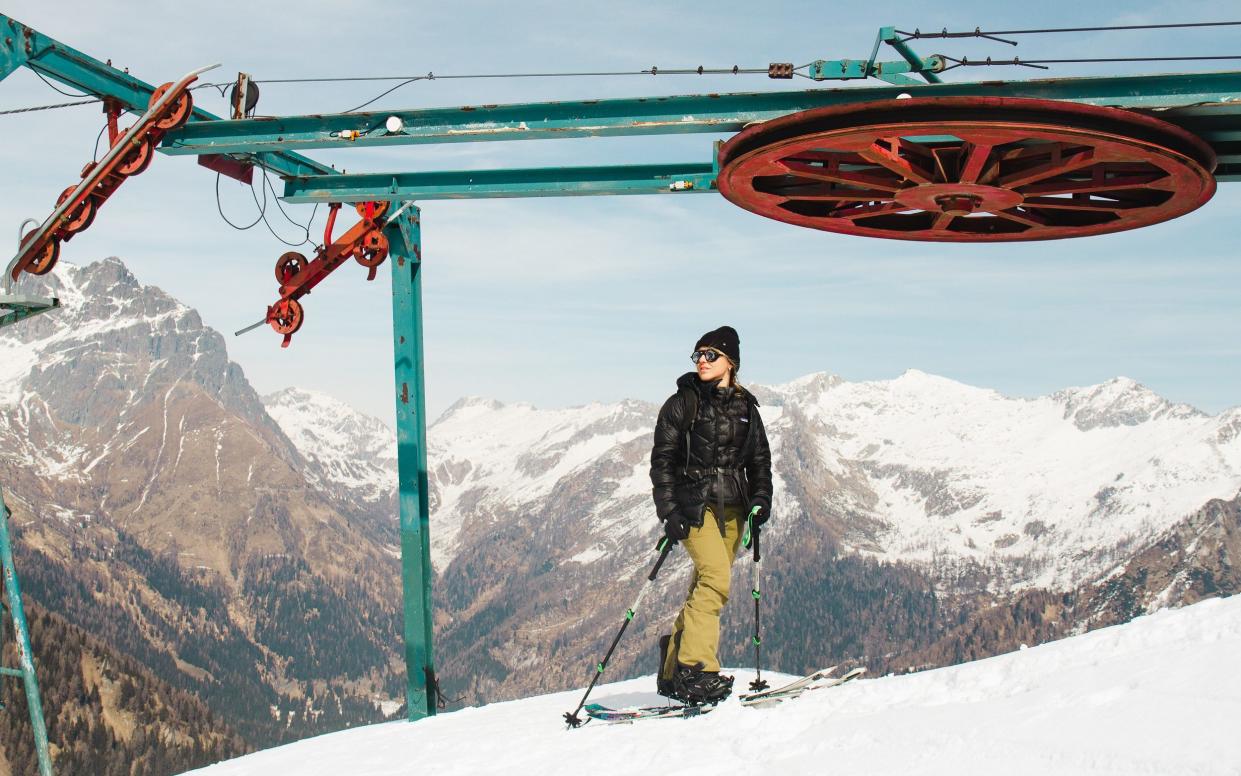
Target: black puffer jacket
[729,462]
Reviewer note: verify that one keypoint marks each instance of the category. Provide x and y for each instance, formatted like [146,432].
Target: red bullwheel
[968,169]
[175,113]
[286,316]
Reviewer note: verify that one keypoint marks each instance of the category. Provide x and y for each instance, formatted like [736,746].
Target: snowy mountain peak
[812,384]
[470,405]
[1120,401]
[345,448]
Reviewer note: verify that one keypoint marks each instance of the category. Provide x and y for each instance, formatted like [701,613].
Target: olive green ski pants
[696,633]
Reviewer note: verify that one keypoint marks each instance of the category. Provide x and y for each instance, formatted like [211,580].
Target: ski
[612,716]
[794,689]
[793,686]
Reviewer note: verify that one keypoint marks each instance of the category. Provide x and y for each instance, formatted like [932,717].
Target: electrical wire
[385,94]
[95,155]
[919,35]
[1041,64]
[48,107]
[221,88]
[276,198]
[263,213]
[735,70]
[220,207]
[56,88]
[405,80]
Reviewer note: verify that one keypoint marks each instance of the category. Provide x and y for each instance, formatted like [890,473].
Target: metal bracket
[892,72]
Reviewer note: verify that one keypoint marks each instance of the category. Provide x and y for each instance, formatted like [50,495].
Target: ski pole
[751,539]
[664,546]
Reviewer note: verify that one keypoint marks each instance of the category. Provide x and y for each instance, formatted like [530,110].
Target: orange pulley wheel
[79,217]
[288,265]
[175,113]
[137,159]
[46,259]
[372,249]
[371,210]
[286,316]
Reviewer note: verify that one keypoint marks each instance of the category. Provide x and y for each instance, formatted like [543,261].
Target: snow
[518,454]
[1043,492]
[1158,695]
[1051,485]
[348,448]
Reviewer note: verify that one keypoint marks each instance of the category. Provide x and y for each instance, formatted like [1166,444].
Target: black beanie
[725,340]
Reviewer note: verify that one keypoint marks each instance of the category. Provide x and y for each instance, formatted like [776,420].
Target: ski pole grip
[756,533]
[665,548]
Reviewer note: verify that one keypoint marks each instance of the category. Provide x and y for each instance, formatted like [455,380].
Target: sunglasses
[709,355]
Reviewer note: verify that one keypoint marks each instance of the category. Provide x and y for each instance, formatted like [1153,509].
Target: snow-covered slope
[1156,696]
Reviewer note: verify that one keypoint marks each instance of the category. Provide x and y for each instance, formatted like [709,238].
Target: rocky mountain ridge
[159,507]
[1044,492]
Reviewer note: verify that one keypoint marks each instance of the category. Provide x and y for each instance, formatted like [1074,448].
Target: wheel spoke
[865,211]
[891,159]
[1053,203]
[942,222]
[834,175]
[976,156]
[1118,183]
[819,193]
[881,196]
[1057,166]
[1021,217]
[1039,149]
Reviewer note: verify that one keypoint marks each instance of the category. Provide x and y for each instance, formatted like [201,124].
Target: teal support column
[25,655]
[404,237]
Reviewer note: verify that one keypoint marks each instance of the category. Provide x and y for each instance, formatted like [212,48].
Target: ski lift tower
[913,159]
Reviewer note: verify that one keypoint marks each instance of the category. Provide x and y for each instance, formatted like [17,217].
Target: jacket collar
[690,380]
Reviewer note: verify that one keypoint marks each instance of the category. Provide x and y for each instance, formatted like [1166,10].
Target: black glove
[676,527]
[763,514]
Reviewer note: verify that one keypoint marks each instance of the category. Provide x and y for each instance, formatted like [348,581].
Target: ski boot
[700,688]
[663,685]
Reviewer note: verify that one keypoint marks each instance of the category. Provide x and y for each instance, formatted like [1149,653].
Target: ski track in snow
[1159,695]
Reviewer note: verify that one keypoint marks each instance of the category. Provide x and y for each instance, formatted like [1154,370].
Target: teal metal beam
[18,307]
[888,35]
[488,184]
[24,46]
[25,654]
[710,113]
[405,240]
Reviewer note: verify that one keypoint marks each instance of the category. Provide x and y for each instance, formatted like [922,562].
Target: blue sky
[564,301]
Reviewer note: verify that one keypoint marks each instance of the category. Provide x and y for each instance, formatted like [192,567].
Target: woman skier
[710,468]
